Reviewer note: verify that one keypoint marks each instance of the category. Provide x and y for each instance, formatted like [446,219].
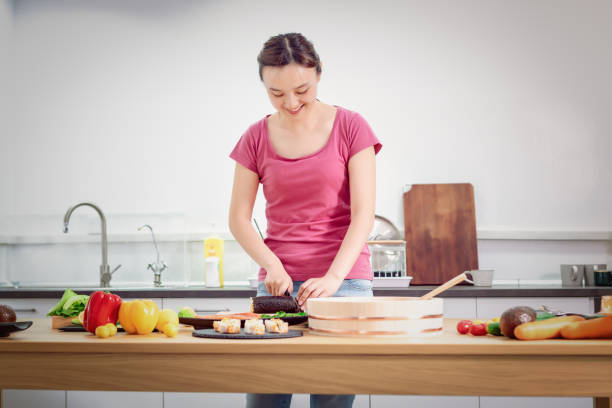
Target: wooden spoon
[457,279]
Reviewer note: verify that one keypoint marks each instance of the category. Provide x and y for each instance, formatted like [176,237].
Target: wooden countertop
[447,364]
[40,337]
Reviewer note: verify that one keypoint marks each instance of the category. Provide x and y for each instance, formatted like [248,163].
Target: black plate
[211,334]
[8,328]
[200,323]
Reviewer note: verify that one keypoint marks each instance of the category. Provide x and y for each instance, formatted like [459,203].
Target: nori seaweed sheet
[273,304]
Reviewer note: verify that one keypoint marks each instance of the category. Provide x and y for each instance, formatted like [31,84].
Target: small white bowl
[253,282]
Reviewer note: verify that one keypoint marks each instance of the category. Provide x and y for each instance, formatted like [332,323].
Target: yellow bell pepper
[138,316]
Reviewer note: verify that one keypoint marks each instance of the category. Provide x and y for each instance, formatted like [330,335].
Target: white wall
[136,106]
[7,178]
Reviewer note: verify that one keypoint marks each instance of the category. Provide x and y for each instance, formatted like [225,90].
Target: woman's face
[292,88]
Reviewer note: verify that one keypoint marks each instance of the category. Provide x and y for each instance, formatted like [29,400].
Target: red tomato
[478,329]
[463,327]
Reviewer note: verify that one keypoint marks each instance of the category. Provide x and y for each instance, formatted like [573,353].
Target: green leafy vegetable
[186,311]
[74,305]
[280,315]
[55,310]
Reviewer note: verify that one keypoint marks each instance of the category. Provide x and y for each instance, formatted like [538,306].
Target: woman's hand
[278,281]
[318,287]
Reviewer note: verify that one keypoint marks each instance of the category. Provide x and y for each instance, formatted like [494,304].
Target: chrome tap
[105,273]
[159,266]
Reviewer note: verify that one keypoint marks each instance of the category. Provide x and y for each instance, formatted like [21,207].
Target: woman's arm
[244,193]
[362,184]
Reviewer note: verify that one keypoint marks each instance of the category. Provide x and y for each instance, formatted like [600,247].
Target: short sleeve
[360,136]
[245,151]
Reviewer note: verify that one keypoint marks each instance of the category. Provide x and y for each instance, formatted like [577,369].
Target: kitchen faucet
[105,273]
[159,266]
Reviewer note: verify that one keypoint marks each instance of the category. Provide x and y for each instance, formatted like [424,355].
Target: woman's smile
[296,111]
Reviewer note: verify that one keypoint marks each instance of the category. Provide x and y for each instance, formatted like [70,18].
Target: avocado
[7,314]
[515,316]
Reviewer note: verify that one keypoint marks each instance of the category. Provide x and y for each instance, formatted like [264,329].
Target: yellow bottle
[214,245]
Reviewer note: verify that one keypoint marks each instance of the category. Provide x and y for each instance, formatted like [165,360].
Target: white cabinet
[487,308]
[409,401]
[200,399]
[535,402]
[33,398]
[114,399]
[210,306]
[459,308]
[27,309]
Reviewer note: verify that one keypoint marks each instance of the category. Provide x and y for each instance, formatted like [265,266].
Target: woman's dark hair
[283,49]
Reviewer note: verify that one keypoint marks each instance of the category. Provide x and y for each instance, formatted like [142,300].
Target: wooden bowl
[375,316]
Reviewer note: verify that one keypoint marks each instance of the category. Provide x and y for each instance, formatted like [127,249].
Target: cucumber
[493,329]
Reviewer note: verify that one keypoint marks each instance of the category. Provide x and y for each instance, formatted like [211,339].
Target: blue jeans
[350,287]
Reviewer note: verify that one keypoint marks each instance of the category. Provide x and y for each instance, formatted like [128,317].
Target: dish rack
[388,261]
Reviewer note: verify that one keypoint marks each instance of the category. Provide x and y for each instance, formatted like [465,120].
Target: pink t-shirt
[308,203]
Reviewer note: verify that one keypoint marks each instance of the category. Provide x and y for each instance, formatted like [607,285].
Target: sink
[89,287]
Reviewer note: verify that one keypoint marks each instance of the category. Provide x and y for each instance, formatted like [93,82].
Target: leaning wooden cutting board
[440,232]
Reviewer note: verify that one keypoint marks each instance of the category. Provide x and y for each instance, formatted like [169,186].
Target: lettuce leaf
[55,310]
[74,305]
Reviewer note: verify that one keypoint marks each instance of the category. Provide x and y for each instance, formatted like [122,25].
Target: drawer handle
[32,310]
[211,311]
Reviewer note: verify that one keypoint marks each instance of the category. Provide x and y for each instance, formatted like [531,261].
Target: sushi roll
[273,304]
[230,326]
[254,326]
[276,326]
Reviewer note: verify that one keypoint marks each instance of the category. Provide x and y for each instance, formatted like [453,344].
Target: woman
[316,163]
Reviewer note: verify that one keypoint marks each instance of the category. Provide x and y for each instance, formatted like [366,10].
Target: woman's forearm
[352,244]
[251,242]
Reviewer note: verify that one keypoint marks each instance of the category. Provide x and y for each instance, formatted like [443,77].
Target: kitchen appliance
[572,275]
[589,273]
[440,231]
[481,277]
[387,255]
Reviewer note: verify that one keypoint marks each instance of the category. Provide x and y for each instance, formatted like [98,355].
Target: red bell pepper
[101,308]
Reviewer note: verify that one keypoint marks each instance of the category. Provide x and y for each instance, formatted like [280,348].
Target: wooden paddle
[449,284]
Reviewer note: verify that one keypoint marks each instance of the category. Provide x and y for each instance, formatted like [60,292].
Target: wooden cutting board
[440,232]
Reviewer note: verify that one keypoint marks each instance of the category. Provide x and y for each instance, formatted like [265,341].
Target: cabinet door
[200,399]
[411,401]
[114,399]
[487,308]
[204,306]
[27,309]
[535,402]
[459,308]
[33,398]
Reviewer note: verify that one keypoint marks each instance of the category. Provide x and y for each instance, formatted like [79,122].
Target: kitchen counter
[460,291]
[447,364]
